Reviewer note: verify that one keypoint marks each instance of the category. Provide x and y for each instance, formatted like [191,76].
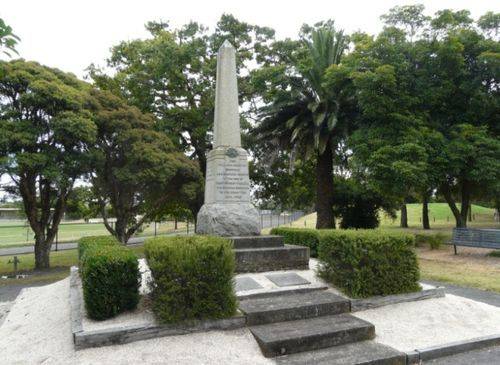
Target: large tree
[459,77]
[172,75]
[136,170]
[44,128]
[429,108]
[305,115]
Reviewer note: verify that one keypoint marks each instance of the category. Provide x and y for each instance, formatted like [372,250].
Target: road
[9,251]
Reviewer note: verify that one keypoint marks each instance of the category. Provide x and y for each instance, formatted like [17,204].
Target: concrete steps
[358,353]
[293,306]
[290,337]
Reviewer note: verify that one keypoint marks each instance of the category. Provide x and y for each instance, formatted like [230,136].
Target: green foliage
[136,169]
[357,204]
[367,263]
[81,204]
[411,17]
[435,241]
[8,40]
[282,183]
[172,74]
[192,277]
[307,112]
[110,279]
[300,237]
[44,130]
[490,23]
[494,254]
[88,242]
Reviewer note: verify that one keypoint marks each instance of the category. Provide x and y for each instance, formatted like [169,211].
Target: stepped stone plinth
[268,253]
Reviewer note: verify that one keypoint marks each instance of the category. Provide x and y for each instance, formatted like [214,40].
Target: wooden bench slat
[473,237]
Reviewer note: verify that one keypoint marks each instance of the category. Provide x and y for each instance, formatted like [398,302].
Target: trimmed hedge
[90,241]
[110,279]
[365,263]
[299,236]
[192,277]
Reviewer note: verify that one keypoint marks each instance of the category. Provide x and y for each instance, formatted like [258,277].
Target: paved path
[479,295]
[486,356]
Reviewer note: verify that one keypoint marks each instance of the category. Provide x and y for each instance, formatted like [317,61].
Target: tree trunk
[42,253]
[121,230]
[465,205]
[425,212]
[404,217]
[175,223]
[470,212]
[324,190]
[459,223]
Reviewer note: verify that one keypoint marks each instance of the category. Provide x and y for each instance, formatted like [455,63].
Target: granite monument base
[228,220]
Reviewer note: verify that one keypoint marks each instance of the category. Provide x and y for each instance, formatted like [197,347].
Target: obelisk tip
[226,44]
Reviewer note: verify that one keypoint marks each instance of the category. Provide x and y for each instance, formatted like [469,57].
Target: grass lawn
[441,219]
[17,233]
[472,267]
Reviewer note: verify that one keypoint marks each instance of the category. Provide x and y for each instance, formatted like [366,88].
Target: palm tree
[305,118]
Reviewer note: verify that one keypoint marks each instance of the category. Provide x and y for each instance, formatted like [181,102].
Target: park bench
[473,237]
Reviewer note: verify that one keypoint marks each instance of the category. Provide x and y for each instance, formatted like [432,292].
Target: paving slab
[478,295]
[287,279]
[246,283]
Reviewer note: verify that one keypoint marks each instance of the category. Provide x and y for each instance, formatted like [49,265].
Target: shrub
[298,236]
[110,279]
[494,254]
[90,241]
[366,263]
[192,277]
[435,241]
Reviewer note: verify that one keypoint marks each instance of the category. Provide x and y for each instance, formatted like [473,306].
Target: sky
[72,34]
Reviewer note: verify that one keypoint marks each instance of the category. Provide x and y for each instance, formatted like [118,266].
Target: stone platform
[268,253]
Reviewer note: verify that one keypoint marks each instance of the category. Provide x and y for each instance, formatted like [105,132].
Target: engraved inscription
[227,179]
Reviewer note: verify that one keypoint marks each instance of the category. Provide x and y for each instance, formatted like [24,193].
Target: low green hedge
[91,241]
[365,263]
[192,277]
[110,279]
[299,236]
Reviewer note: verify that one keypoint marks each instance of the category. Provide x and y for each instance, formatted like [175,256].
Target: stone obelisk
[227,210]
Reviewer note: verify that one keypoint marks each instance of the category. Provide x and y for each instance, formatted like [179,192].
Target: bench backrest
[473,237]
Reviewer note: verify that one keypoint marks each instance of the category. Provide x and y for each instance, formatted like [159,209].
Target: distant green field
[440,216]
[17,233]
